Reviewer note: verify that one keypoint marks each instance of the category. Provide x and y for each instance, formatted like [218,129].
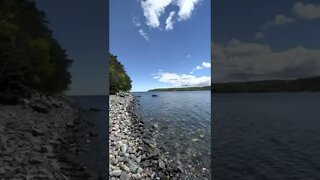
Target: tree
[118,78]
[29,54]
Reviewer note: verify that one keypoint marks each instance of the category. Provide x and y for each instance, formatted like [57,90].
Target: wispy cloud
[299,9]
[189,56]
[136,22]
[170,21]
[243,61]
[279,19]
[203,66]
[182,80]
[306,11]
[144,34]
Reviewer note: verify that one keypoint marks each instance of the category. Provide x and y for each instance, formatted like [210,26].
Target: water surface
[184,119]
[266,136]
[97,155]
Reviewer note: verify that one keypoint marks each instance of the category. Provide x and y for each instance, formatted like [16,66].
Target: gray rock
[124,176]
[124,148]
[161,164]
[36,132]
[156,126]
[113,161]
[39,108]
[138,159]
[125,168]
[133,167]
[155,152]
[116,173]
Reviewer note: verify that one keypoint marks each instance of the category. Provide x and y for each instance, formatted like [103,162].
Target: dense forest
[204,88]
[297,85]
[118,78]
[30,57]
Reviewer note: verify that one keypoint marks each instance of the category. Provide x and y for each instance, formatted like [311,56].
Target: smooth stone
[138,159]
[133,167]
[124,148]
[140,170]
[125,168]
[194,140]
[124,176]
[161,164]
[116,173]
[113,161]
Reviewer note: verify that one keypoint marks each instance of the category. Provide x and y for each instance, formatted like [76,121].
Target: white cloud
[182,80]
[242,61]
[282,19]
[186,8]
[306,11]
[152,10]
[170,21]
[144,34]
[203,65]
[206,64]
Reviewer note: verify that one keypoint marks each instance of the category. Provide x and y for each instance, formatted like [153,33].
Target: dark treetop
[29,55]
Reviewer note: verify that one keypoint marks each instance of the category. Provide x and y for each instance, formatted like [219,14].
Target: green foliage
[118,78]
[29,55]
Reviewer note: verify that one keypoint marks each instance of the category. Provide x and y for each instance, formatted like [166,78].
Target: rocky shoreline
[38,139]
[133,152]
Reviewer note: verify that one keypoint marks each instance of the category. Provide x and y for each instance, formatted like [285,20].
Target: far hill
[296,85]
[204,88]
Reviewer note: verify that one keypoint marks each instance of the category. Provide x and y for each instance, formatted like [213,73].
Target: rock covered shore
[133,153]
[37,139]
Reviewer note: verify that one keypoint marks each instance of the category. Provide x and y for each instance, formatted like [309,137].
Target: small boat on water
[154,95]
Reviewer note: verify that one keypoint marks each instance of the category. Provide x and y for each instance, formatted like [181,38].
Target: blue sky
[259,40]
[157,53]
[81,28]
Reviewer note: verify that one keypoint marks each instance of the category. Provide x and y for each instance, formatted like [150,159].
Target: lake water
[184,120]
[266,136]
[97,155]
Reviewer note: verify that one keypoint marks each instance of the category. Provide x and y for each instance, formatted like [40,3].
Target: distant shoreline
[204,88]
[311,84]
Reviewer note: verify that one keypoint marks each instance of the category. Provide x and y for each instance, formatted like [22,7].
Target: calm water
[184,120]
[266,136]
[97,154]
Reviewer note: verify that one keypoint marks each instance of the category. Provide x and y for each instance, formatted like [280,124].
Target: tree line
[118,78]
[29,54]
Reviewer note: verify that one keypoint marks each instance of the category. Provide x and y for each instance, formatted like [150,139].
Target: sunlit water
[184,120]
[266,136]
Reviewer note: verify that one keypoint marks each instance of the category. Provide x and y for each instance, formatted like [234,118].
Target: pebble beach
[132,152]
